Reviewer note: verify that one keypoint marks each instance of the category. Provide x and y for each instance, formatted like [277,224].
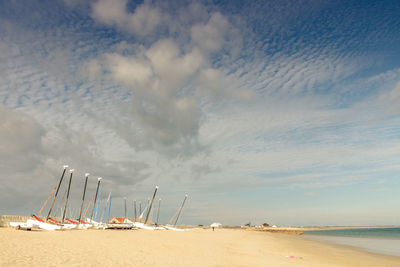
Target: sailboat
[95,224]
[177,214]
[82,224]
[68,225]
[147,210]
[49,223]
[65,223]
[37,222]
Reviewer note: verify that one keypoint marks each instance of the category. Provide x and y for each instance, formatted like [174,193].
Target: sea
[376,240]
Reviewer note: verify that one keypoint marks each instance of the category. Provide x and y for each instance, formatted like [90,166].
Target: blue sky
[284,112]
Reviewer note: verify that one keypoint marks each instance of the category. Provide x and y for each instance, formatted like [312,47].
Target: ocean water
[377,240]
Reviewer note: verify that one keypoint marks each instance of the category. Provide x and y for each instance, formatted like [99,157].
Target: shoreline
[378,244]
[327,228]
[375,245]
[197,247]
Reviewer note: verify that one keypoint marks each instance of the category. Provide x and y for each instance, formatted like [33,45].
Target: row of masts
[148,208]
[67,196]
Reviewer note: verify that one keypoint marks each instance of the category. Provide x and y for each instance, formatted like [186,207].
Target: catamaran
[144,225]
[177,214]
[50,223]
[36,222]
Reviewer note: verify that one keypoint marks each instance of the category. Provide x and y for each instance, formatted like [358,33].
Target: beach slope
[197,247]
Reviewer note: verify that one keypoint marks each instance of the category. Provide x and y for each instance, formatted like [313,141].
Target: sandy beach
[197,247]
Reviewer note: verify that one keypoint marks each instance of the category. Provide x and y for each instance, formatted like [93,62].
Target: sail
[144,211]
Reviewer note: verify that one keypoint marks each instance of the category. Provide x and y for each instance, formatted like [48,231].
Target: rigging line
[158,212]
[151,204]
[176,212]
[55,195]
[44,205]
[105,208]
[59,203]
[95,198]
[143,212]
[98,201]
[66,200]
[83,197]
[180,209]
[88,207]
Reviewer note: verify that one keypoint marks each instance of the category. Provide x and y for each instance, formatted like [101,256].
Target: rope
[41,209]
[88,207]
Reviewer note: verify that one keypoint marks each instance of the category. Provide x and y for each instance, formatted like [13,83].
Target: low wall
[6,219]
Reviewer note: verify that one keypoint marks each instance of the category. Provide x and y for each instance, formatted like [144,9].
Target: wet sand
[197,247]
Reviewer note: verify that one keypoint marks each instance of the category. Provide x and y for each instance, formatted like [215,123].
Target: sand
[198,247]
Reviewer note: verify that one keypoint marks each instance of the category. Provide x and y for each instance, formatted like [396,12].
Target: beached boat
[171,227]
[39,223]
[176,217]
[147,210]
[147,227]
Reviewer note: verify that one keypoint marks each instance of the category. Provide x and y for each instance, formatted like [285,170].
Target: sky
[285,112]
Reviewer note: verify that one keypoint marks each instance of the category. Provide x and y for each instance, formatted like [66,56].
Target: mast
[151,204]
[109,207]
[96,210]
[55,195]
[125,209]
[183,203]
[140,207]
[66,200]
[134,205]
[95,198]
[83,198]
[158,212]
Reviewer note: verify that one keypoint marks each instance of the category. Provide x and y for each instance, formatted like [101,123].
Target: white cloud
[211,36]
[168,77]
[145,20]
[142,22]
[129,70]
[110,12]
[171,67]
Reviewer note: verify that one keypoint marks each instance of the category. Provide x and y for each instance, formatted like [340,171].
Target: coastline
[197,247]
[325,228]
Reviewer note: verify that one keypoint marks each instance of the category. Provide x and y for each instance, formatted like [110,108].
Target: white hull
[83,226]
[147,227]
[169,227]
[22,225]
[43,225]
[68,226]
[94,224]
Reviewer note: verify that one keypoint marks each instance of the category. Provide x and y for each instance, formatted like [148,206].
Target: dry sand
[198,247]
